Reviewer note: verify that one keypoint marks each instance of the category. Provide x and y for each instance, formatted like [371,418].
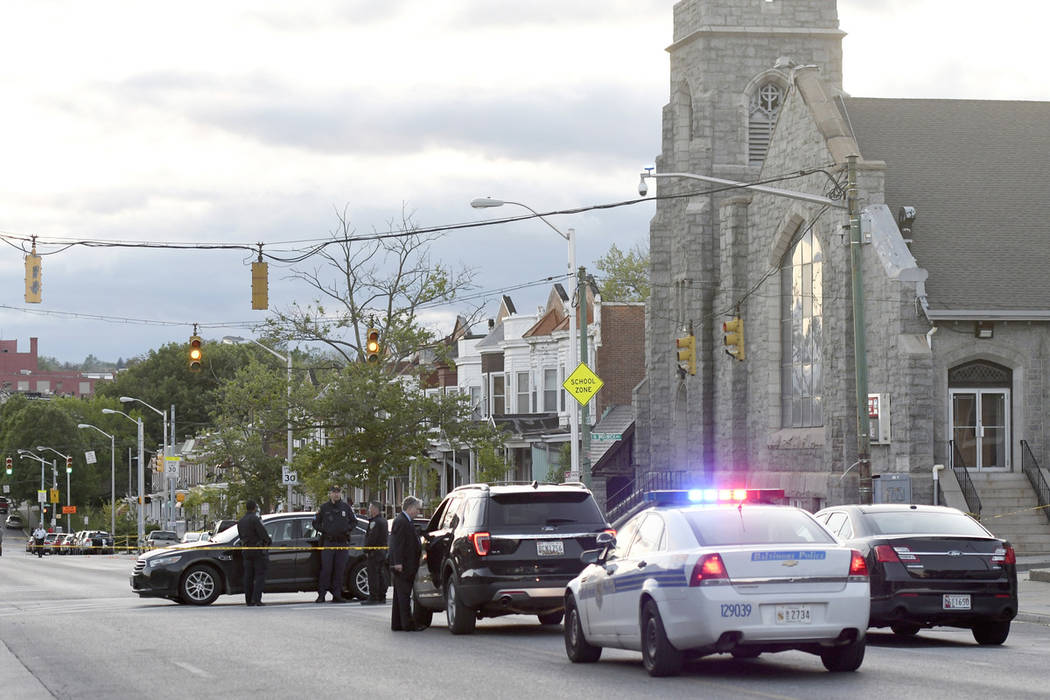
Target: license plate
[550,548]
[957,601]
[794,615]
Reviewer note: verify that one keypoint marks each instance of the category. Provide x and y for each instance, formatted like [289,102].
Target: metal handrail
[1031,469]
[969,491]
[649,481]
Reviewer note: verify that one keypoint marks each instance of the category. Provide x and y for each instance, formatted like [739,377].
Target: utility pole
[860,355]
[585,423]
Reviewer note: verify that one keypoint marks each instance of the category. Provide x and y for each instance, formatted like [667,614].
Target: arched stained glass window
[801,334]
[762,117]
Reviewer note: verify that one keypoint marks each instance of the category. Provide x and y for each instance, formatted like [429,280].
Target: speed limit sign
[290,478]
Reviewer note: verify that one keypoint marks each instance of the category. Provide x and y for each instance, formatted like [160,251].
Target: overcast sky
[249,121]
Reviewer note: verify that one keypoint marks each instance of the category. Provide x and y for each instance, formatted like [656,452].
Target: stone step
[987,498]
[1011,492]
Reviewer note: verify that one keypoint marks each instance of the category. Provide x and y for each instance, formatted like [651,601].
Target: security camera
[643,187]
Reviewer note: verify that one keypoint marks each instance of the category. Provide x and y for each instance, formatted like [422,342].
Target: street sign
[7,488]
[54,495]
[583,384]
[180,497]
[41,496]
[290,478]
[89,457]
[204,508]
[171,466]
[606,436]
[69,510]
[85,520]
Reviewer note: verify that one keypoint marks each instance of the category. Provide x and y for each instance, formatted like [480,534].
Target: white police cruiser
[716,571]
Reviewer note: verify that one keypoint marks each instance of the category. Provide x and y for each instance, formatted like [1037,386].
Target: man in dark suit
[256,561]
[405,551]
[376,536]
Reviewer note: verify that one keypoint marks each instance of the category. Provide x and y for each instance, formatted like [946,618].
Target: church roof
[975,170]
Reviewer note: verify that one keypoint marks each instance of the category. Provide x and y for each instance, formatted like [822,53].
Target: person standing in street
[256,561]
[335,521]
[38,539]
[405,551]
[376,536]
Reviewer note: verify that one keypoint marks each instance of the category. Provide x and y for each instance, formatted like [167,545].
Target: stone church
[955,258]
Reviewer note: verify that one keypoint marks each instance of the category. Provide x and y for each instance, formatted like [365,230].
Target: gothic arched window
[801,332]
[762,117]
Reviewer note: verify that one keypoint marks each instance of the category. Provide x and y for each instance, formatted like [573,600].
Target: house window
[523,392]
[44,387]
[475,402]
[762,117]
[498,403]
[550,390]
[801,368]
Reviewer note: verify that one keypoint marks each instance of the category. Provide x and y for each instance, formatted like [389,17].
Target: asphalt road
[71,628]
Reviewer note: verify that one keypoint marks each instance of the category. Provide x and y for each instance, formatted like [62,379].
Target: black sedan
[199,572]
[931,565]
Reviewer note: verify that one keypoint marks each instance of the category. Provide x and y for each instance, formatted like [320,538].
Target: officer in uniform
[376,558]
[335,521]
[253,535]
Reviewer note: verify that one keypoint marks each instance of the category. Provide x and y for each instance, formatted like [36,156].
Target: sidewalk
[1033,595]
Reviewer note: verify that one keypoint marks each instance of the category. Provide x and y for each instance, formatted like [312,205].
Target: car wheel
[357,581]
[844,658]
[461,619]
[745,653]
[423,617]
[577,648]
[991,633]
[904,629]
[199,586]
[552,618]
[659,656]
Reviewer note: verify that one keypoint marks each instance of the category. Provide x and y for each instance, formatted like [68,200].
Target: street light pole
[142,476]
[54,475]
[231,339]
[26,453]
[168,505]
[112,477]
[574,358]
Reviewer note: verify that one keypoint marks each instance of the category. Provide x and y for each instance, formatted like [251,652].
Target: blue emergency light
[713,496]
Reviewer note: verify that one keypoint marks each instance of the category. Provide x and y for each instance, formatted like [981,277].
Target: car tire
[577,648]
[421,616]
[991,633]
[844,658]
[551,618]
[357,581]
[659,656]
[200,585]
[904,629]
[461,619]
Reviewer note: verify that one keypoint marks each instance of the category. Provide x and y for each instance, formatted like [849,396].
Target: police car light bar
[689,496]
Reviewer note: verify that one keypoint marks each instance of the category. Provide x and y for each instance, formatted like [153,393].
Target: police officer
[376,558]
[335,521]
[253,535]
[38,537]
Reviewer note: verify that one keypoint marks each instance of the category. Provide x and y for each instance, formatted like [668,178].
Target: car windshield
[718,527]
[543,508]
[226,536]
[926,522]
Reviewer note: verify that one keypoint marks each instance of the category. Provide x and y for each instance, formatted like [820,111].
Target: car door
[281,574]
[439,540]
[598,601]
[631,575]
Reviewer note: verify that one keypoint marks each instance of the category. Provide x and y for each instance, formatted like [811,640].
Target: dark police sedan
[931,565]
[199,572]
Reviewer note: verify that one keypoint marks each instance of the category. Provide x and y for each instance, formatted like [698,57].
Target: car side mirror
[591,556]
[606,540]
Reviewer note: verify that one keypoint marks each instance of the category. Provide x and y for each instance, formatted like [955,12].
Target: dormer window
[762,117]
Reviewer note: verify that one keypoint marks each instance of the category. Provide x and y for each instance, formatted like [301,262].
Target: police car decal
[784,556]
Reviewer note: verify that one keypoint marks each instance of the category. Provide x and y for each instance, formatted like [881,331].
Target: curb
[1037,618]
[1039,575]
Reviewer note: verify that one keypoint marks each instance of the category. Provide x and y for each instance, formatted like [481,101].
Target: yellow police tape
[227,549]
[1013,512]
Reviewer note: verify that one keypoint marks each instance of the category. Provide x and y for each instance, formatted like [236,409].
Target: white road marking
[192,669]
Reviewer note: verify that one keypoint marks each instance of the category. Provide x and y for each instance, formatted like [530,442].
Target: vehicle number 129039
[736,609]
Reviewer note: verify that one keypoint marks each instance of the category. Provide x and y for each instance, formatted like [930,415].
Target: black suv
[199,572]
[504,549]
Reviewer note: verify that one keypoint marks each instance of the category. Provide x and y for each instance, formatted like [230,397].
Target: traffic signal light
[34,277]
[10,466]
[69,465]
[196,354]
[733,337]
[372,347]
[687,353]
[260,286]
[159,462]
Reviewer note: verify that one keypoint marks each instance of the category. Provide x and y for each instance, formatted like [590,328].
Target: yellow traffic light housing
[260,286]
[372,346]
[733,338]
[687,353]
[159,462]
[34,277]
[196,354]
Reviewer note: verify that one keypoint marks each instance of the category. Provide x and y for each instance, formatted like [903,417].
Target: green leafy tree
[625,277]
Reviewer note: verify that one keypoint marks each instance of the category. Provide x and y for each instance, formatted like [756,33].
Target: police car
[718,571]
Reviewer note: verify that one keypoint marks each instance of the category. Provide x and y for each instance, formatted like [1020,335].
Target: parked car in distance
[930,566]
[64,543]
[4,505]
[96,542]
[49,542]
[14,521]
[195,537]
[161,538]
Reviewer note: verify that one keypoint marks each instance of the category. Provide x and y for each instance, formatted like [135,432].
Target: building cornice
[760,32]
[988,314]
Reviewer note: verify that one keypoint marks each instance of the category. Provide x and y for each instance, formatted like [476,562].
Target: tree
[375,282]
[625,277]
